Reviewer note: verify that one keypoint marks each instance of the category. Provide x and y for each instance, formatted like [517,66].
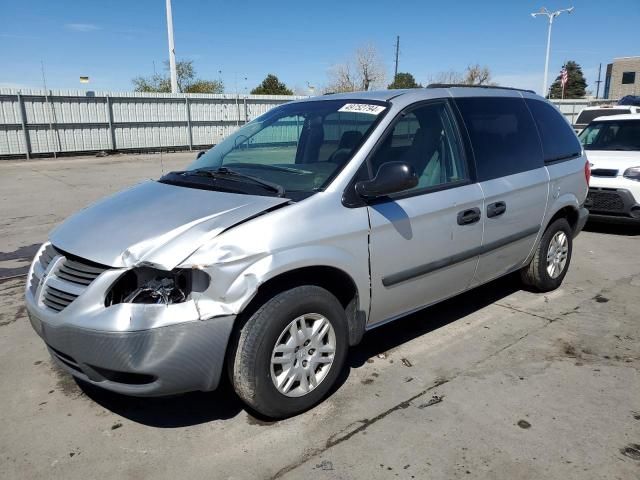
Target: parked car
[612,145]
[630,100]
[276,250]
[588,114]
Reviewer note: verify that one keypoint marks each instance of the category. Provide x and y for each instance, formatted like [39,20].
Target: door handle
[469,216]
[496,209]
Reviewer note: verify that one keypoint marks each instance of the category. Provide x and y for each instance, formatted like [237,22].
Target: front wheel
[551,259]
[290,352]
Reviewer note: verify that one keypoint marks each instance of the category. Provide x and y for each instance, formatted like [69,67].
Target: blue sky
[113,41]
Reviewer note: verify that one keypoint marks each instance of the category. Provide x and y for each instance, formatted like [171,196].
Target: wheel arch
[566,206]
[569,212]
[332,278]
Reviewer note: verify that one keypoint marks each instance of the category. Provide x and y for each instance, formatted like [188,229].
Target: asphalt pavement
[498,383]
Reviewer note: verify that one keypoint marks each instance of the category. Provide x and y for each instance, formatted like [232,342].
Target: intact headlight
[154,286]
[632,173]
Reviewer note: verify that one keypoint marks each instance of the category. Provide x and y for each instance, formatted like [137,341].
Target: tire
[250,363]
[537,275]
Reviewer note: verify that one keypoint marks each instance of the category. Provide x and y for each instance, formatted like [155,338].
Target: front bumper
[164,360]
[612,203]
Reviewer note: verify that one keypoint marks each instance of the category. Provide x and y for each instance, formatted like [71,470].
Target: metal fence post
[189,132]
[237,111]
[112,133]
[23,121]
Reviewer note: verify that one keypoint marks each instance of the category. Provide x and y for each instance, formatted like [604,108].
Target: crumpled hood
[619,160]
[154,223]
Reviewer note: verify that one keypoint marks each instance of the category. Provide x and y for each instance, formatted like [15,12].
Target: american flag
[564,76]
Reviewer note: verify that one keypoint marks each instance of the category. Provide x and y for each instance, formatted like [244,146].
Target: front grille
[41,265]
[66,280]
[605,201]
[57,299]
[79,273]
[604,172]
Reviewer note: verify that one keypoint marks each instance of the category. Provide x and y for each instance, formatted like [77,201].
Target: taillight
[587,171]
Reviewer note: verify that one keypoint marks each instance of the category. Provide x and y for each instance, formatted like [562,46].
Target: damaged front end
[146,285]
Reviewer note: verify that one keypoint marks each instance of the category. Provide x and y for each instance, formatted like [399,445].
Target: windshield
[612,135]
[300,147]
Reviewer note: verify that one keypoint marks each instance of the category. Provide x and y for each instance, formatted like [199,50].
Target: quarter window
[425,138]
[503,135]
[558,140]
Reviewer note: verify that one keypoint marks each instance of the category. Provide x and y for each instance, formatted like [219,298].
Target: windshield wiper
[279,189]
[237,176]
[277,168]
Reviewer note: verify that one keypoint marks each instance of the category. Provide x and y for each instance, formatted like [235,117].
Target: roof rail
[449,85]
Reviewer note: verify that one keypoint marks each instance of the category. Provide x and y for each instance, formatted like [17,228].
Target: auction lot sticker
[371,109]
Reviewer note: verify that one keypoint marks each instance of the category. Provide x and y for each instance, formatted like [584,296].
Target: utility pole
[172,50]
[395,74]
[598,82]
[550,16]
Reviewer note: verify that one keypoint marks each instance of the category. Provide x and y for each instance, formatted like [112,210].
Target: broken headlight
[153,286]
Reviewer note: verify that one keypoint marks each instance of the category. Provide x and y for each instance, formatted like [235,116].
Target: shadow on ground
[612,228]
[394,334]
[169,412]
[199,407]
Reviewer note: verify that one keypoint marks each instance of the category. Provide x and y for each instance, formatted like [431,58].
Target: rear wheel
[551,259]
[290,352]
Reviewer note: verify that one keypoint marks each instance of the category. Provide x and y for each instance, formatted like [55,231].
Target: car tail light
[587,171]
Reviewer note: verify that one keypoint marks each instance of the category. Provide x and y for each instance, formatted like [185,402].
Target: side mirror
[392,177]
[200,153]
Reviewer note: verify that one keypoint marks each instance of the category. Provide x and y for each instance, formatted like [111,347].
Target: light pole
[550,16]
[172,50]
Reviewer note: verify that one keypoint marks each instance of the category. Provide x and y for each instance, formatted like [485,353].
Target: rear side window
[503,135]
[558,140]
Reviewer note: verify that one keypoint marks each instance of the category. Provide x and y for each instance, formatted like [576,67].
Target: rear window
[503,135]
[586,116]
[558,140]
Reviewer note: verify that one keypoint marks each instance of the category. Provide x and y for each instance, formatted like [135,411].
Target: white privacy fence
[44,122]
[572,108]
[41,122]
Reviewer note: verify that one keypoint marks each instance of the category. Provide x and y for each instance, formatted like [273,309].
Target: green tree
[187,81]
[404,80]
[271,86]
[576,86]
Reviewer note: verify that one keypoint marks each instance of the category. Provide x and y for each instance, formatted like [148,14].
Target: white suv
[589,114]
[612,145]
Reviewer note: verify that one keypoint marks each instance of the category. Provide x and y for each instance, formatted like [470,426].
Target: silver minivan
[276,250]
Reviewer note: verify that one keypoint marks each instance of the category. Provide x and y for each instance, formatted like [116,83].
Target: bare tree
[477,75]
[341,79]
[370,68]
[473,75]
[364,71]
[450,76]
